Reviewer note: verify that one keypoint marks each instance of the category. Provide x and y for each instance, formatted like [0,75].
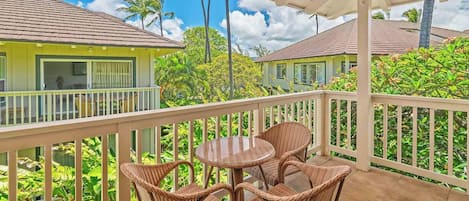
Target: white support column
[152,69]
[364,106]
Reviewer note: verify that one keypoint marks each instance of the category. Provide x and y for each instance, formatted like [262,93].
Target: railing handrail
[185,112]
[211,109]
[69,91]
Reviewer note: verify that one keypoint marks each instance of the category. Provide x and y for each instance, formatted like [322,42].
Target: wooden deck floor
[378,185]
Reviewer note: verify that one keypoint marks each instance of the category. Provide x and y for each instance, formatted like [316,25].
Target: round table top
[235,152]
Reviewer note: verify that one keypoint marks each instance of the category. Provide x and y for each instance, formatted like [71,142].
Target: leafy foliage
[441,73]
[194,39]
[247,76]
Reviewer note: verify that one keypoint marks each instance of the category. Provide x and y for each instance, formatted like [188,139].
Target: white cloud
[271,26]
[276,27]
[80,4]
[107,6]
[256,5]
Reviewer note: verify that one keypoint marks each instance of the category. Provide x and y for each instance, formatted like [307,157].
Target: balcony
[401,124]
[24,107]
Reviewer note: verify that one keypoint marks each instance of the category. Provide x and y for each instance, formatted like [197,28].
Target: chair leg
[263,177]
[207,178]
[339,190]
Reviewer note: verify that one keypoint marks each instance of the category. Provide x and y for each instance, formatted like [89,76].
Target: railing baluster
[250,123]
[285,113]
[385,131]
[450,142]
[217,135]
[298,112]
[123,156]
[12,175]
[191,142]
[292,110]
[176,155]
[157,145]
[67,97]
[78,170]
[14,110]
[54,106]
[204,139]
[104,167]
[7,110]
[230,124]
[467,152]
[414,136]
[349,124]
[61,106]
[240,123]
[432,139]
[399,133]
[338,135]
[48,172]
[279,114]
[311,114]
[29,109]
[36,109]
[139,143]
[304,112]
[271,116]
[22,109]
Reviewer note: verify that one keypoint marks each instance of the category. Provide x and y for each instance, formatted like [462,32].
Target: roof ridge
[115,19]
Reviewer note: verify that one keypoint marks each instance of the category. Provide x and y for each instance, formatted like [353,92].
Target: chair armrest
[251,188]
[206,192]
[191,168]
[285,156]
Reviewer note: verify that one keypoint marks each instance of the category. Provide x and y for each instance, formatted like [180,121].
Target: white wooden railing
[23,107]
[176,132]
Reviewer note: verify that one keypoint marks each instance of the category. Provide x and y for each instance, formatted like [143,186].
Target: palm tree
[230,56]
[413,15]
[158,9]
[426,25]
[206,13]
[137,8]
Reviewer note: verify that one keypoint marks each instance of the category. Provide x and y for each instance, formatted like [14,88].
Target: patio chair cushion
[279,190]
[270,168]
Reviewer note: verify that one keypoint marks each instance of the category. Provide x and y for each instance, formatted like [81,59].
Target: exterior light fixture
[73,46]
[2,43]
[104,48]
[38,45]
[132,49]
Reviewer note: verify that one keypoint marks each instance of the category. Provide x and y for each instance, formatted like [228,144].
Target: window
[308,73]
[112,74]
[3,66]
[281,71]
[345,69]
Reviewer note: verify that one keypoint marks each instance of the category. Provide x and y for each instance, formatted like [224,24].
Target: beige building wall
[21,60]
[333,66]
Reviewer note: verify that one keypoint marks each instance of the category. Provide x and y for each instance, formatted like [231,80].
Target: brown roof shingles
[57,22]
[387,37]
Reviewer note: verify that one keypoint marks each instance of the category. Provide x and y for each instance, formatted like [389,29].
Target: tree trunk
[160,16]
[230,59]
[209,49]
[426,25]
[143,25]
[206,26]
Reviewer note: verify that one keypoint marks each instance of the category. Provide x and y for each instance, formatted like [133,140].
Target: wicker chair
[326,184]
[146,180]
[290,140]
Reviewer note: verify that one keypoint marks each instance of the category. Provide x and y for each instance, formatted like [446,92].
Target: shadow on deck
[379,185]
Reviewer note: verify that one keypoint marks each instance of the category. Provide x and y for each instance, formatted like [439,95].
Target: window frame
[310,68]
[2,54]
[283,71]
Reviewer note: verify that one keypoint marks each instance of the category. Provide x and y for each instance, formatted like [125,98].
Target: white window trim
[5,87]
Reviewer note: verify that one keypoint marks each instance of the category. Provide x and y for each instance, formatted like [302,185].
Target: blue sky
[255,22]
[190,11]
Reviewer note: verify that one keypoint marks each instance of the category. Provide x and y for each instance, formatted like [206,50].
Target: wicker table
[236,153]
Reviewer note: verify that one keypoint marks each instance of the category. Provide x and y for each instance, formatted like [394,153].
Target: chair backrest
[287,136]
[326,181]
[128,104]
[146,180]
[84,106]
